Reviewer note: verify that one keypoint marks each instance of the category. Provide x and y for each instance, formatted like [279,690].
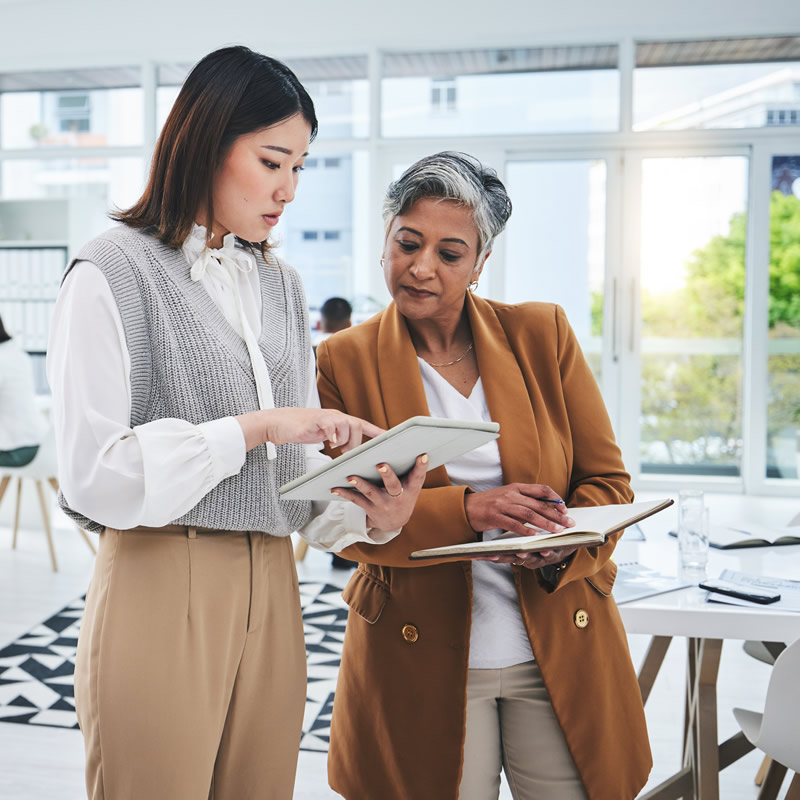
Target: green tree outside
[691,404]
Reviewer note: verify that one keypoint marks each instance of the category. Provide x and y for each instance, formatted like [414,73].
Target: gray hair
[453,176]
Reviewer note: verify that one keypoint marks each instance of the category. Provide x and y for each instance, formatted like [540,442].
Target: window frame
[620,149]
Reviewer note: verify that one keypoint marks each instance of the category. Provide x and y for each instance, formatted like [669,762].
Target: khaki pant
[511,725]
[191,671]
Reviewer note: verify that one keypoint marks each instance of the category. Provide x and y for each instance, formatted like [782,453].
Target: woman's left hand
[540,558]
[390,507]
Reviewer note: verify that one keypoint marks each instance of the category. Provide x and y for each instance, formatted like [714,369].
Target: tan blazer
[398,719]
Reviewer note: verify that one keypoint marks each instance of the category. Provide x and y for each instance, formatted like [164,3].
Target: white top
[498,637]
[154,473]
[21,424]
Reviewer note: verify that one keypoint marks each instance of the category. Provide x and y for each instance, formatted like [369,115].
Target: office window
[324,232]
[110,181]
[71,108]
[692,314]
[338,86]
[731,83]
[501,91]
[783,346]
[555,243]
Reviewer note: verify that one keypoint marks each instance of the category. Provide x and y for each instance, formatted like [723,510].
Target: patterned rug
[36,670]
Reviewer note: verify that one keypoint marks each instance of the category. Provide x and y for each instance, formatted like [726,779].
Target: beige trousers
[511,725]
[191,671]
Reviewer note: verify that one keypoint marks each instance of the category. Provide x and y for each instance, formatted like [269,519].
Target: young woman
[184,396]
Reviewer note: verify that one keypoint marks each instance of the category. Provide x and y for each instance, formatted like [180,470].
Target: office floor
[38,763]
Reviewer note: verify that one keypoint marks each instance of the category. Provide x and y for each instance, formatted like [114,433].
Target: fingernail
[545,553]
[424,459]
[383,468]
[333,491]
[332,440]
[353,481]
[570,520]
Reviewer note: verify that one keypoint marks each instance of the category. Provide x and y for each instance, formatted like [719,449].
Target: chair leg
[300,550]
[772,781]
[794,788]
[16,513]
[4,485]
[762,770]
[54,483]
[46,520]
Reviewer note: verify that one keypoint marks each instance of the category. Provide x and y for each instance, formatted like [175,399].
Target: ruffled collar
[201,258]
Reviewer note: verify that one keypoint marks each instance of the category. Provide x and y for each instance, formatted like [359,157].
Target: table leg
[702,755]
[702,737]
[653,659]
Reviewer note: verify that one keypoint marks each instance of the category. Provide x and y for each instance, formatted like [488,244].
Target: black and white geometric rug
[36,670]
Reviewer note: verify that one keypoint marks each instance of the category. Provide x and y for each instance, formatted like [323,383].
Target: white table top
[686,613]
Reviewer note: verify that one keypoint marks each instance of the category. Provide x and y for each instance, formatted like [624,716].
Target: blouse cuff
[337,524]
[226,447]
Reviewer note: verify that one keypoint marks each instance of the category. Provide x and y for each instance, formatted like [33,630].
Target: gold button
[581,618]
[410,633]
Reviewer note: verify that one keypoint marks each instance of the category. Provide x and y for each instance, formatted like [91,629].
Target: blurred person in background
[335,316]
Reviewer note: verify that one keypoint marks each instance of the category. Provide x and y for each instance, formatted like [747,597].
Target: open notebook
[593,524]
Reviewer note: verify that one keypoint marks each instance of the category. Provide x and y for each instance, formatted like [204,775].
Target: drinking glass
[692,533]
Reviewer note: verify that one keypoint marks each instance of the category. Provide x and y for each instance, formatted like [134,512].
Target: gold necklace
[450,363]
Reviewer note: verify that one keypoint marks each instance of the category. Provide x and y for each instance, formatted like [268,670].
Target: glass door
[556,243]
[685,247]
[783,323]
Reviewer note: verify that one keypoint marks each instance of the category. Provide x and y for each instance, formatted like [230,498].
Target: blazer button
[410,633]
[581,618]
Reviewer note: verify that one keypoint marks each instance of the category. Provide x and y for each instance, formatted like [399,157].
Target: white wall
[36,34]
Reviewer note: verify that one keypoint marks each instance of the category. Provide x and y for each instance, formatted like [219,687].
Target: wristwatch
[552,572]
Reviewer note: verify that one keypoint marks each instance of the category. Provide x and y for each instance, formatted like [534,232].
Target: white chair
[776,731]
[43,468]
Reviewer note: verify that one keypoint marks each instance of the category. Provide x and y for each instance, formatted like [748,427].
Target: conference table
[686,613]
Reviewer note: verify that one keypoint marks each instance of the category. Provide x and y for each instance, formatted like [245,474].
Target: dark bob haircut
[229,93]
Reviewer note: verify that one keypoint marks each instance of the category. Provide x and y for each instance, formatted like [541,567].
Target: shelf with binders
[30,275]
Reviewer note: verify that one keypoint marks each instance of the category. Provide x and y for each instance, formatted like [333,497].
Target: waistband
[189,531]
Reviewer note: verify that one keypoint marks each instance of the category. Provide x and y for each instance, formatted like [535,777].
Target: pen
[548,500]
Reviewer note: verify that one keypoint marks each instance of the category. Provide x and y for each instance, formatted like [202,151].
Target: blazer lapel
[506,394]
[398,372]
[400,380]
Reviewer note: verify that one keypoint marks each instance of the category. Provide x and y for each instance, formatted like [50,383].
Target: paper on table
[789,591]
[635,581]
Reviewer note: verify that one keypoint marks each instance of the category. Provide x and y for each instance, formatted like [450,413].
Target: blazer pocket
[366,594]
[603,580]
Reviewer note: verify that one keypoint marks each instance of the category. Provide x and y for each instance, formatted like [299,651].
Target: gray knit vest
[188,363]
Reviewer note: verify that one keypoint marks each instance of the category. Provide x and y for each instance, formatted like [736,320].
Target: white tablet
[442,439]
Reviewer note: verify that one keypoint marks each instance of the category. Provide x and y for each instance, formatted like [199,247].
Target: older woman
[454,671]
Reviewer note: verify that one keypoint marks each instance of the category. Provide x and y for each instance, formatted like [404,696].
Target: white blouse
[498,637]
[151,474]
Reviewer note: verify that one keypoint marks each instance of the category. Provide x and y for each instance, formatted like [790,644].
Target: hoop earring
[472,286]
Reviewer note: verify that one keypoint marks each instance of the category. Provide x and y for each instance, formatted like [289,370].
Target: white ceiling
[39,34]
